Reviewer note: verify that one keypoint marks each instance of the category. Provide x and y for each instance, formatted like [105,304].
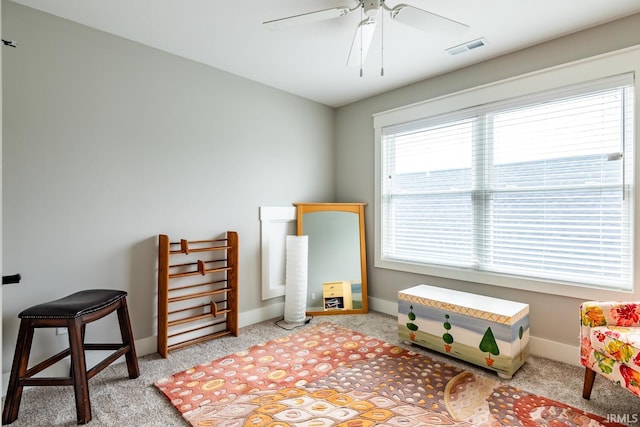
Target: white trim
[599,67]
[258,315]
[556,351]
[383,306]
[572,73]
[275,224]
[148,345]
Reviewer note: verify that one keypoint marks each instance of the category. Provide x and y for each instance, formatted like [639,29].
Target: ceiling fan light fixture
[371,8]
[361,42]
[426,21]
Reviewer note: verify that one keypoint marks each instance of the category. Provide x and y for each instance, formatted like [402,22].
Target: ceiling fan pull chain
[382,43]
[361,38]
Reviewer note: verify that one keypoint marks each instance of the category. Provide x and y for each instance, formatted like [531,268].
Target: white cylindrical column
[295,299]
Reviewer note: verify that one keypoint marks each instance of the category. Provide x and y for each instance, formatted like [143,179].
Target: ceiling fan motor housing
[371,8]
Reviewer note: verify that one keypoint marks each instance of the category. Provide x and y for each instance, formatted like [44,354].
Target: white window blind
[537,187]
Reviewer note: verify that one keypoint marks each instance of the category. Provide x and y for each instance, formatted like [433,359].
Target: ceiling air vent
[465,47]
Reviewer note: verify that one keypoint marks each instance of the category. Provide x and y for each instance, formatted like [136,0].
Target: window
[538,187]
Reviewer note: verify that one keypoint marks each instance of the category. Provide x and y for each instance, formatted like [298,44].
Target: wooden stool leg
[78,362]
[589,378]
[18,370]
[127,339]
[84,328]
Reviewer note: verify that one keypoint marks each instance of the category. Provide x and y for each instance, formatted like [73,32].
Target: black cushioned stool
[72,312]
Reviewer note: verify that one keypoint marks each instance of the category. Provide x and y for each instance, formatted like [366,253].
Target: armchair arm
[615,313]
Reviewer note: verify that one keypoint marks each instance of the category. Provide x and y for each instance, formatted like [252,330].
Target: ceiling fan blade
[426,21]
[361,42]
[307,18]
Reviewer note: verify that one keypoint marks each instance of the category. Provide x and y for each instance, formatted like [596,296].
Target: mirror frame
[358,209]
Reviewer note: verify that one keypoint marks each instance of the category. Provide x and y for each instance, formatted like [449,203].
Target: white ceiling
[310,60]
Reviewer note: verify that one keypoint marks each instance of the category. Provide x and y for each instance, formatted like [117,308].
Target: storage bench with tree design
[490,332]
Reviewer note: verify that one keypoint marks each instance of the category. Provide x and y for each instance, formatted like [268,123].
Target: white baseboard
[146,345]
[555,351]
[541,347]
[258,315]
[383,306]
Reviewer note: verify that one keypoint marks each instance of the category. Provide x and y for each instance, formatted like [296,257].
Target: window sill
[586,292]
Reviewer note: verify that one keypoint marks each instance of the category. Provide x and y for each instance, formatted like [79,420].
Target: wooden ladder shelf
[190,310]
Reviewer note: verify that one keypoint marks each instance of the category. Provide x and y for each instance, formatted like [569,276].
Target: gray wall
[108,143]
[552,317]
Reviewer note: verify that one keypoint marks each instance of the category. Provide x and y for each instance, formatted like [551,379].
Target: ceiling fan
[370,11]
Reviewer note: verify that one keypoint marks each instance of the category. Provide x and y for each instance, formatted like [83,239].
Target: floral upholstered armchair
[610,343]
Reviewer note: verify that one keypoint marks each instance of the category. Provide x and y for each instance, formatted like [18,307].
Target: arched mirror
[337,261]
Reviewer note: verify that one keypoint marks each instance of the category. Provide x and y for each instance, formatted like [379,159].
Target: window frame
[569,75]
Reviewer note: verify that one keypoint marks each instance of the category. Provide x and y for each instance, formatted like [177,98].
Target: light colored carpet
[119,401]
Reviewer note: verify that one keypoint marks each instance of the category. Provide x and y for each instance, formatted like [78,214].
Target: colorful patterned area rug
[327,375]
